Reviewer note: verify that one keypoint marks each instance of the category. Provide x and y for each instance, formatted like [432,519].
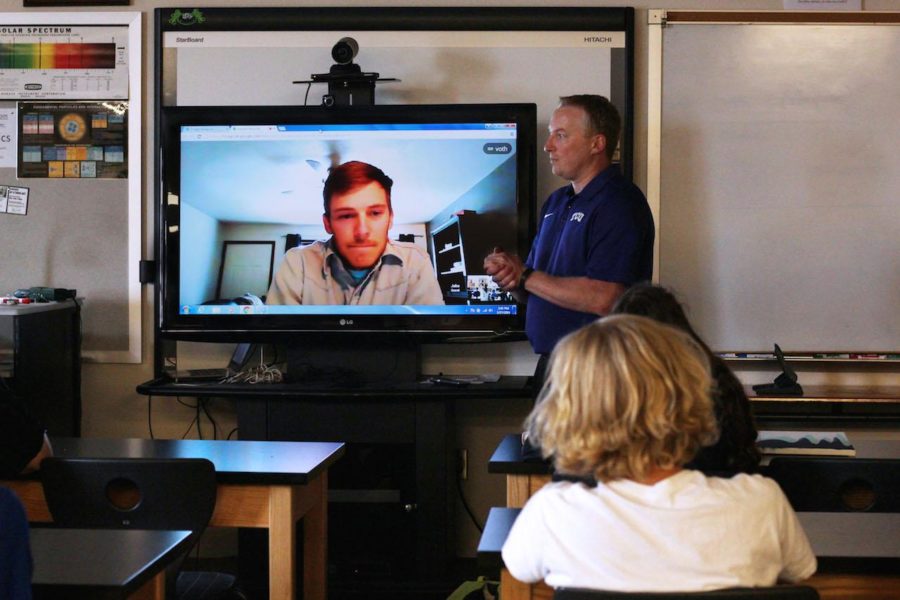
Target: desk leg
[282,542]
[287,504]
[516,490]
[315,541]
[155,589]
[513,589]
[519,488]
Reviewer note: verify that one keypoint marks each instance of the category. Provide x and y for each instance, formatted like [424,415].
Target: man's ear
[599,144]
[327,223]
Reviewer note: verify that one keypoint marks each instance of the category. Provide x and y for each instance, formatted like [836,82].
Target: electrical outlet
[463,464]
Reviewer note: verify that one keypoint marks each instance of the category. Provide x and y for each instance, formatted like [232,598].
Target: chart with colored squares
[44,62]
[73,140]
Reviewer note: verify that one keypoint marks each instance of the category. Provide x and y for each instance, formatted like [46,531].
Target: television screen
[279,220]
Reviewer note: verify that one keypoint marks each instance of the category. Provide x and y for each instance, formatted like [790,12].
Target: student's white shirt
[687,532]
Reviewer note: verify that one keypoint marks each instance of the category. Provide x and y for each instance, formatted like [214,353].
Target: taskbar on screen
[333,309]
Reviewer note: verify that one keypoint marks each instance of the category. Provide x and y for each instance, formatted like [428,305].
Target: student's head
[358,212]
[584,131]
[657,303]
[624,395]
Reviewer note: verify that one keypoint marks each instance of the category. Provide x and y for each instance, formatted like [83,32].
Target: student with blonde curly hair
[627,403]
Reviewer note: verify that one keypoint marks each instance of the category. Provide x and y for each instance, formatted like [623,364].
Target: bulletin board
[774,168]
[70,167]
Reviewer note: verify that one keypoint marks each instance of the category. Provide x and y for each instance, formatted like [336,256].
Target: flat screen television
[239,187]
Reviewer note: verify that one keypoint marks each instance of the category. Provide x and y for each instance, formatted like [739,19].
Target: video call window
[454,196]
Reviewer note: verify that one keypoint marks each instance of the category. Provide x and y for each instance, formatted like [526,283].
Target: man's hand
[504,268]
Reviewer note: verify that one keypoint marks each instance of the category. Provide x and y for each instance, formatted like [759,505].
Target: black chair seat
[207,585]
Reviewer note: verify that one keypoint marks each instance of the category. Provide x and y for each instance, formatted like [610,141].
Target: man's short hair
[624,394]
[603,117]
[351,175]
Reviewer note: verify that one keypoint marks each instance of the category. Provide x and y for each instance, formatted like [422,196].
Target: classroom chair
[777,592]
[818,484]
[141,493]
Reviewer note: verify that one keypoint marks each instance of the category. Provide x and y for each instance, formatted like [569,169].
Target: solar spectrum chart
[63,62]
[52,55]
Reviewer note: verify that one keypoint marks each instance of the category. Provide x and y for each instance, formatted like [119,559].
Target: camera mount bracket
[348,84]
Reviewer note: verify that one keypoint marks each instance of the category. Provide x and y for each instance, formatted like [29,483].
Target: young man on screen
[358,264]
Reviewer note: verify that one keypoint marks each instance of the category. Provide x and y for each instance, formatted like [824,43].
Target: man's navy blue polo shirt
[605,232]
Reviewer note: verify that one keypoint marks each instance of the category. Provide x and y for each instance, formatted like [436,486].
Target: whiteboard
[779,171]
[440,55]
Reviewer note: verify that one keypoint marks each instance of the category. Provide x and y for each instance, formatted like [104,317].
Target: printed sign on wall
[73,140]
[64,62]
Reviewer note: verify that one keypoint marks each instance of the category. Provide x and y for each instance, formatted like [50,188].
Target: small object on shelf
[785,384]
[829,443]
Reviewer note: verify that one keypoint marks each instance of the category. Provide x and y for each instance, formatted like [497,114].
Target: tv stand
[354,362]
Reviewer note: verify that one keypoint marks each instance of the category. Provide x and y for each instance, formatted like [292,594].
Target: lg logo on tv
[343,322]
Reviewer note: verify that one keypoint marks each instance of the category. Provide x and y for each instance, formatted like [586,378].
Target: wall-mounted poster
[44,62]
[73,140]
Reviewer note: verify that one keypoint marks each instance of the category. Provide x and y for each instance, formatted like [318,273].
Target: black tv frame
[280,328]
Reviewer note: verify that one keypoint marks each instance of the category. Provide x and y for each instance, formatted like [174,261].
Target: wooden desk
[496,529]
[103,563]
[523,478]
[267,485]
[830,534]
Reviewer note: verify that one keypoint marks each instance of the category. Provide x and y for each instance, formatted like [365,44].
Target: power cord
[150,415]
[260,374]
[465,504]
[204,403]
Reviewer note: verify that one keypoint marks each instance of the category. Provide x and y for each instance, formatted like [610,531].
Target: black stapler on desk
[785,384]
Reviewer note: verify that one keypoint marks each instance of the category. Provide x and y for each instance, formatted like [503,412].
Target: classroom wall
[113,408]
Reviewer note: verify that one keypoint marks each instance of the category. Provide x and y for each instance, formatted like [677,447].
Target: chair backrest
[777,592]
[130,493]
[818,484]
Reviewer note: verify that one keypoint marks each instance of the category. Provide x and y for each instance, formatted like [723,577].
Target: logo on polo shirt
[577,216]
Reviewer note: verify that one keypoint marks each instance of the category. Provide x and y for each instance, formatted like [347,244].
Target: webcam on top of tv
[348,84]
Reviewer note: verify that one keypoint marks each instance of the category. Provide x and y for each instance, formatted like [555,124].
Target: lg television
[240,187]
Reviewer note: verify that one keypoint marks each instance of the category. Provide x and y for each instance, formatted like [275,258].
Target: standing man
[595,237]
[358,264]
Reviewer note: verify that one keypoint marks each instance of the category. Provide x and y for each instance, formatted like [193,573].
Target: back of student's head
[624,395]
[657,303]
